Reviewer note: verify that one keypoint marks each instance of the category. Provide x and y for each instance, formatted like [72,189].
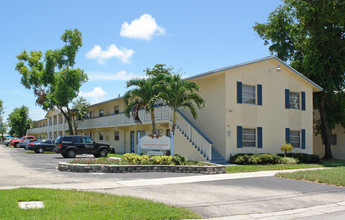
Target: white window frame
[246,98]
[101,134]
[116,134]
[295,102]
[101,111]
[295,144]
[245,138]
[116,109]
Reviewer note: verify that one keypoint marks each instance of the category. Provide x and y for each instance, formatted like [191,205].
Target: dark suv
[71,145]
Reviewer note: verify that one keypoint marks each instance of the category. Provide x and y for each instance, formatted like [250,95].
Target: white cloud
[143,28]
[112,51]
[122,75]
[96,94]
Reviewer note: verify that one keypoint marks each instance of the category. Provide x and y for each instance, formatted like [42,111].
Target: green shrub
[240,158]
[263,159]
[304,158]
[179,159]
[162,160]
[135,159]
[288,160]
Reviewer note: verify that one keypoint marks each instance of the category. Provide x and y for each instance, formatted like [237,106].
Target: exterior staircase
[217,158]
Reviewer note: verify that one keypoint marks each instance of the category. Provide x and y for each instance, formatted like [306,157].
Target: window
[90,114]
[248,137]
[248,94]
[101,136]
[100,112]
[295,139]
[87,140]
[117,135]
[78,140]
[168,133]
[116,109]
[294,100]
[333,139]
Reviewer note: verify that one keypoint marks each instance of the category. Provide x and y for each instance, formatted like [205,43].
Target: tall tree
[2,123]
[52,77]
[145,93]
[179,93]
[80,109]
[19,121]
[310,34]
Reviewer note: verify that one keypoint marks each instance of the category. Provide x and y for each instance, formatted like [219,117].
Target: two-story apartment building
[250,107]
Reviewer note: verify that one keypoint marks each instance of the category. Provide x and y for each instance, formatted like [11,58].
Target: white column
[63,125]
[57,125]
[48,136]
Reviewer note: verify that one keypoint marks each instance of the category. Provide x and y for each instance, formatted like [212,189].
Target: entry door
[132,141]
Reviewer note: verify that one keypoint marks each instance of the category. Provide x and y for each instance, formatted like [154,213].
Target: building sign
[159,143]
[155,153]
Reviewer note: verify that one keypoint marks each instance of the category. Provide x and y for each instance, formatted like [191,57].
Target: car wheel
[96,155]
[103,153]
[64,155]
[40,150]
[71,153]
[16,145]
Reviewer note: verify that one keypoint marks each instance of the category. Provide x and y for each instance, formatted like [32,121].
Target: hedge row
[263,159]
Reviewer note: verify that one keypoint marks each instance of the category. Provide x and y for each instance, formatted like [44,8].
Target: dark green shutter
[287,135]
[287,101]
[303,100]
[259,137]
[303,138]
[259,94]
[239,92]
[239,136]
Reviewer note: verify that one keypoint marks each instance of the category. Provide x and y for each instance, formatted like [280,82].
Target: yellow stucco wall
[338,150]
[272,116]
[185,148]
[108,107]
[211,120]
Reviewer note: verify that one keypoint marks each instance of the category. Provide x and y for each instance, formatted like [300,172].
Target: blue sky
[122,38]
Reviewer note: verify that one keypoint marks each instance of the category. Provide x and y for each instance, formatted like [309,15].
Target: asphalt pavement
[256,195]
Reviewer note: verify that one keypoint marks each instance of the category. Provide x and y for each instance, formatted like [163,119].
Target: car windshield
[58,140]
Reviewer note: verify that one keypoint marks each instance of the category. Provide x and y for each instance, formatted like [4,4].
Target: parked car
[8,140]
[24,143]
[41,145]
[16,142]
[71,145]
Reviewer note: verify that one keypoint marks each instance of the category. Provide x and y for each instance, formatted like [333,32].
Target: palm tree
[179,93]
[144,95]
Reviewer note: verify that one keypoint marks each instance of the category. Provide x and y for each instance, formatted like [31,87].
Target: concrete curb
[100,168]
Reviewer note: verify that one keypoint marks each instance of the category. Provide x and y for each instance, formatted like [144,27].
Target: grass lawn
[115,155]
[67,204]
[255,168]
[334,176]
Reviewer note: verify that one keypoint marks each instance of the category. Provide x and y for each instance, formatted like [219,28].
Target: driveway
[225,196]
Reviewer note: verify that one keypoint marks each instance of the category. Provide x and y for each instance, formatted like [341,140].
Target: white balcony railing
[162,113]
[37,130]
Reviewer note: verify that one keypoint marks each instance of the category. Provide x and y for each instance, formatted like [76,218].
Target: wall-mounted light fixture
[275,68]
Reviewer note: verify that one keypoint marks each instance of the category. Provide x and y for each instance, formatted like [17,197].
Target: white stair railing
[202,143]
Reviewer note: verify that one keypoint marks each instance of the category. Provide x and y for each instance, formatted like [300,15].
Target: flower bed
[104,168]
[131,163]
